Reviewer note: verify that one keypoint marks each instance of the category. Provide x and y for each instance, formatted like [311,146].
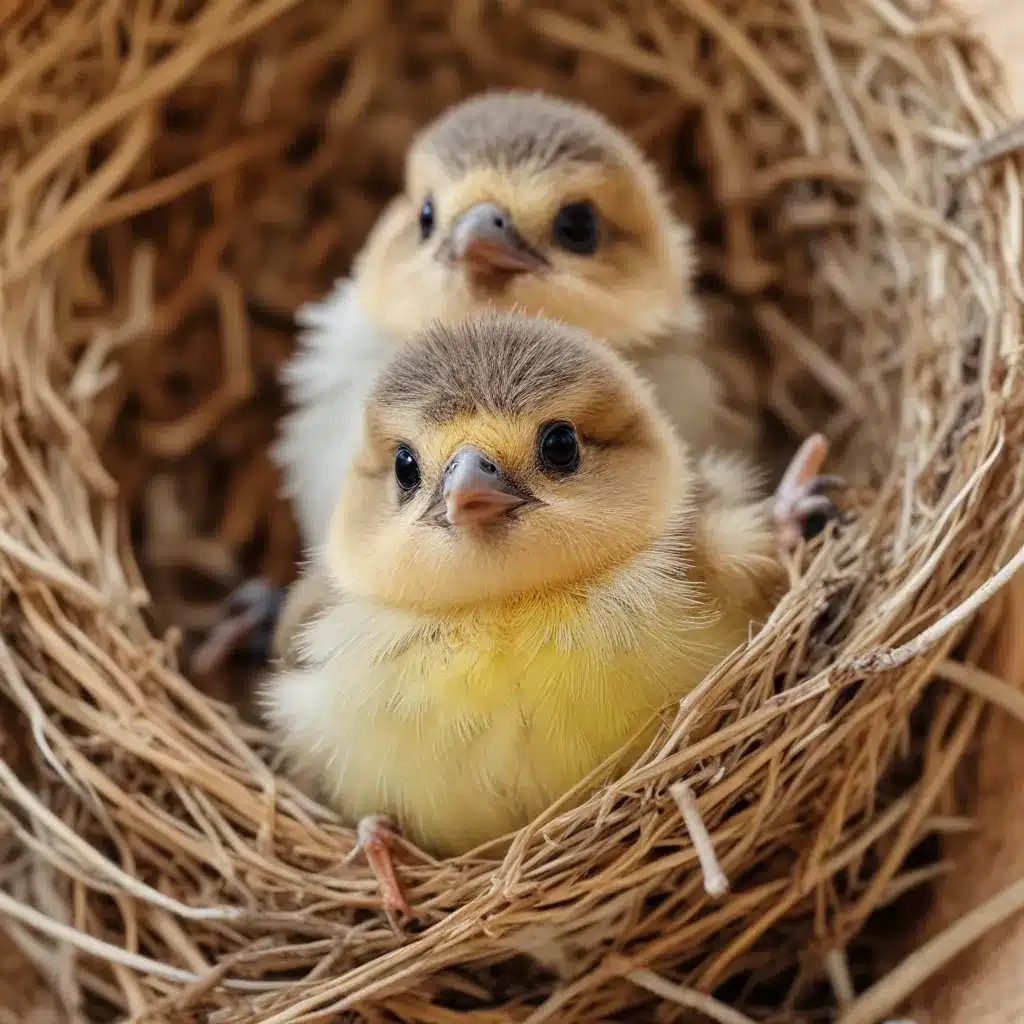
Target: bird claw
[250,614]
[801,508]
[375,836]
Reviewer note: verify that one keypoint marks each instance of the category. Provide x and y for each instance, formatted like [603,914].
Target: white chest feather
[339,356]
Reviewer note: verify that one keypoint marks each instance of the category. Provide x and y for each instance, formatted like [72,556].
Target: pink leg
[375,836]
[799,495]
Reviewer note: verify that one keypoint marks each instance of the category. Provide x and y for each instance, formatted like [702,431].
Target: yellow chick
[512,200]
[524,566]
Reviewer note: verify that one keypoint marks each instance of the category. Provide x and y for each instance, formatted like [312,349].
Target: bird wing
[340,352]
[693,397]
[735,544]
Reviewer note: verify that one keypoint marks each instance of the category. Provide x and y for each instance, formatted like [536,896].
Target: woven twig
[176,179]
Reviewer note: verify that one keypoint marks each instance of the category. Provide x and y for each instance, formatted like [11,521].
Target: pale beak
[485,241]
[475,491]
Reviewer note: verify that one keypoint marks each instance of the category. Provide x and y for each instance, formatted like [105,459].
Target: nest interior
[177,178]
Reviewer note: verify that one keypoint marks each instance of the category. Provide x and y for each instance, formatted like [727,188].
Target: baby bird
[524,566]
[518,201]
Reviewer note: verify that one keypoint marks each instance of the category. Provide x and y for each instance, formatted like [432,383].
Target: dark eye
[559,449]
[577,228]
[407,470]
[427,218]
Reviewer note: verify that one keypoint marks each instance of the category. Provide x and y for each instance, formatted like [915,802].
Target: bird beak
[475,491]
[485,241]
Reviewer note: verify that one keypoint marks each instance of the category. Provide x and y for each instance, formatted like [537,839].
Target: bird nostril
[499,220]
[487,466]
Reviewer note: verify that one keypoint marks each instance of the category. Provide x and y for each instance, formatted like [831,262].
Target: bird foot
[801,510]
[250,615]
[375,837]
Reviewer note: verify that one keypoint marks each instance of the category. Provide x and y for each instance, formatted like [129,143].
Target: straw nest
[175,179]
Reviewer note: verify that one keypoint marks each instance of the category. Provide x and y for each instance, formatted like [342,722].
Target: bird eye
[559,448]
[576,228]
[427,218]
[407,470]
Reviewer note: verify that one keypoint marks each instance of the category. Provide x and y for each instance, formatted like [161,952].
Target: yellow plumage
[525,566]
[466,725]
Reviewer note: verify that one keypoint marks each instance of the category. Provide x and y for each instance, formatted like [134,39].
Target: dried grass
[175,178]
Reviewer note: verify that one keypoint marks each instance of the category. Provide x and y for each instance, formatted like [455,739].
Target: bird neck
[659,566]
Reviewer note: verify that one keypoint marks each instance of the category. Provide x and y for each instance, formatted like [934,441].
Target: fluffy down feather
[340,353]
[461,679]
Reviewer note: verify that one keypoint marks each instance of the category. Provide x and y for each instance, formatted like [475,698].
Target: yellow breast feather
[465,727]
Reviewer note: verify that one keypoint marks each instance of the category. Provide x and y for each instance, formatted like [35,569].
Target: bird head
[501,456]
[521,200]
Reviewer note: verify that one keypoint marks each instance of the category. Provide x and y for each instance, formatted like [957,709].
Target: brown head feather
[499,363]
[512,129]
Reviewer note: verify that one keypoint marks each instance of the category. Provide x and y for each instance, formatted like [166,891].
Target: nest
[176,179]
